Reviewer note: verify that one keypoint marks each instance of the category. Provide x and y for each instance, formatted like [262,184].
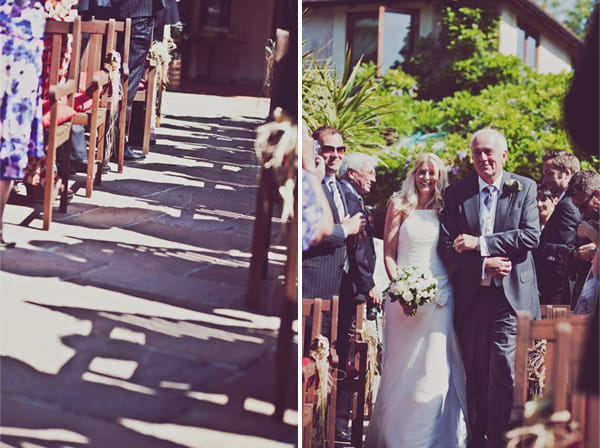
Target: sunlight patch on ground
[290,417]
[231,168]
[181,329]
[221,399]
[51,434]
[101,379]
[259,406]
[200,217]
[120,368]
[224,187]
[193,437]
[269,322]
[174,385]
[25,327]
[125,334]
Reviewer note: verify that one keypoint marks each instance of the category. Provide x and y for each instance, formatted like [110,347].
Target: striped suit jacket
[323,264]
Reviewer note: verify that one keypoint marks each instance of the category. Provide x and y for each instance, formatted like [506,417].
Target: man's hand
[586,229]
[355,224]
[374,296]
[498,267]
[585,252]
[465,242]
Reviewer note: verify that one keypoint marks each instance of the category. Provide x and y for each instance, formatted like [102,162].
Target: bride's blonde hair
[409,195]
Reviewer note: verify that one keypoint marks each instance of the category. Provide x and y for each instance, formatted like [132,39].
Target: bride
[421,399]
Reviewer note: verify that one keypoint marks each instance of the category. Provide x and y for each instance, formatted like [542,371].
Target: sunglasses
[329,148]
[585,204]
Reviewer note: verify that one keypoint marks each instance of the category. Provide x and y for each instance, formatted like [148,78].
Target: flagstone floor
[125,324]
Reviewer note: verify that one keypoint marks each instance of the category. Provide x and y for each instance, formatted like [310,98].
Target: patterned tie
[337,199]
[487,200]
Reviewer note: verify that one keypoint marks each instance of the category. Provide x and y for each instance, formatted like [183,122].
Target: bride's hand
[465,242]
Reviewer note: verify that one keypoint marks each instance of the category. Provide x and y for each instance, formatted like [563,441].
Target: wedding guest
[323,264]
[21,134]
[554,256]
[317,220]
[358,286]
[489,227]
[546,202]
[584,189]
[141,13]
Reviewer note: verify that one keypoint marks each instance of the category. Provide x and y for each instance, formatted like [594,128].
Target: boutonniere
[513,185]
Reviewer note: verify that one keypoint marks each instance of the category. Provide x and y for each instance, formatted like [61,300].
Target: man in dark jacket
[358,286]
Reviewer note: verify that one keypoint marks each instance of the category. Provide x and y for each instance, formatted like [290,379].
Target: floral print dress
[22,25]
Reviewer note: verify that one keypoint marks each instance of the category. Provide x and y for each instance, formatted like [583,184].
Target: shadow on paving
[202,363]
[206,394]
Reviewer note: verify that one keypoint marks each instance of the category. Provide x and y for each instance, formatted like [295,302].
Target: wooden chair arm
[124,71]
[100,79]
[334,358]
[57,92]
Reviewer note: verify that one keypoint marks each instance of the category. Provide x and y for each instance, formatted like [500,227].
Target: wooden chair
[313,310]
[555,311]
[118,31]
[91,103]
[560,375]
[357,385]
[58,110]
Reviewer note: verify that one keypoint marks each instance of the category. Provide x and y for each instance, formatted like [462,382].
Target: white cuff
[483,249]
[483,274]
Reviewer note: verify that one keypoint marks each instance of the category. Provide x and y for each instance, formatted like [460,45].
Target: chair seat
[65,113]
[83,102]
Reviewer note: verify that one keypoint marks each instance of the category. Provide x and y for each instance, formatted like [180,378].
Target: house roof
[531,10]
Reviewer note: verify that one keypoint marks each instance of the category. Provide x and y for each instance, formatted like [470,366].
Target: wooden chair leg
[49,187]
[66,171]
[100,154]
[150,89]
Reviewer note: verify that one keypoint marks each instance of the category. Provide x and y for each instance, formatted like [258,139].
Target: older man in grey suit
[489,226]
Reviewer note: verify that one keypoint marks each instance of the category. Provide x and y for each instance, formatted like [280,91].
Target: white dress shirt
[486,222]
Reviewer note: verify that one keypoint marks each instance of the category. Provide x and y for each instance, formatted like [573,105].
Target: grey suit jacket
[137,8]
[516,234]
[323,264]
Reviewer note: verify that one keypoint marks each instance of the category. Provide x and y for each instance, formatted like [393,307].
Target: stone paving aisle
[124,325]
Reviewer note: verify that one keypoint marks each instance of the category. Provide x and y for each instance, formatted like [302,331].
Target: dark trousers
[141,39]
[488,340]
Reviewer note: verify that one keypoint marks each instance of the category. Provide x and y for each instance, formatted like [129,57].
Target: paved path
[124,325]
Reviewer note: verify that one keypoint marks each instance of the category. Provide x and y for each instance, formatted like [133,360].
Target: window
[380,36]
[215,15]
[362,36]
[527,45]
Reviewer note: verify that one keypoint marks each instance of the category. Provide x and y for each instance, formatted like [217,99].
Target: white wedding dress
[421,401]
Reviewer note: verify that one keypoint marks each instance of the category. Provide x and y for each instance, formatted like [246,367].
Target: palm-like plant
[343,102]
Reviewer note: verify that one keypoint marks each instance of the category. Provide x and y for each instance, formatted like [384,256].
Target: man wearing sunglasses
[584,190]
[324,264]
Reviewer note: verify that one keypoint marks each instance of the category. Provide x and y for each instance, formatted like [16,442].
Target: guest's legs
[141,39]
[5,186]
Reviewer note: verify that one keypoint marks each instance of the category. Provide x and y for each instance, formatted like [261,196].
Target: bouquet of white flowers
[412,288]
